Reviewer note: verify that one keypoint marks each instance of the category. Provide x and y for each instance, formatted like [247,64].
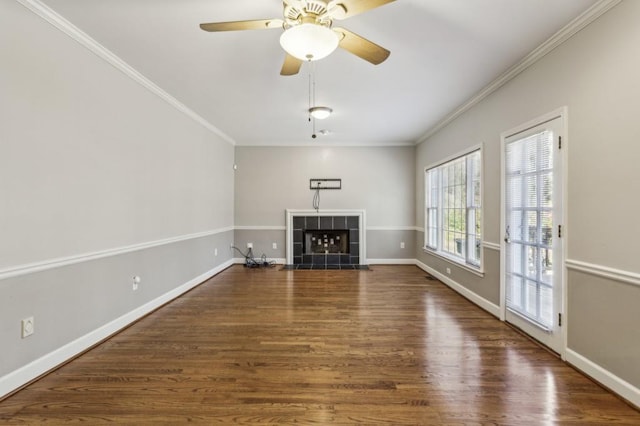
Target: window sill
[455,262]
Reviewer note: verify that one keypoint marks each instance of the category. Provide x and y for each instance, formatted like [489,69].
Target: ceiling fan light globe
[309,42]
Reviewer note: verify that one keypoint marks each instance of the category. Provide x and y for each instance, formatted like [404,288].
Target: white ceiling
[442,53]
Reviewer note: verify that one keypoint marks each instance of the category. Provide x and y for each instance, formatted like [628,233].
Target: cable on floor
[251,262]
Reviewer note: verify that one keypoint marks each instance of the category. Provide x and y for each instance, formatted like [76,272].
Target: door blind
[529,211]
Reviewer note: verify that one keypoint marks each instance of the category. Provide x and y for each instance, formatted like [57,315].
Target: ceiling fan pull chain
[312,96]
[310,92]
[312,80]
[313,67]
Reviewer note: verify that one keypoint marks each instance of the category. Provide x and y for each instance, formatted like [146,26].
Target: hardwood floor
[386,346]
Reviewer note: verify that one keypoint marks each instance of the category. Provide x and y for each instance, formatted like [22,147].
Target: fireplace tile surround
[350,221]
[326,223]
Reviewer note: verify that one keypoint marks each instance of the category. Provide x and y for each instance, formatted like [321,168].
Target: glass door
[532,273]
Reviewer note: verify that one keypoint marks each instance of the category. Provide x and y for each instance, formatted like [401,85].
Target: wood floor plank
[386,346]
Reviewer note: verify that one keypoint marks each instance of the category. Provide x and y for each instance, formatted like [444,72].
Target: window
[453,209]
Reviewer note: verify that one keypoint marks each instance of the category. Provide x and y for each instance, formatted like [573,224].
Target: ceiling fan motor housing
[318,11]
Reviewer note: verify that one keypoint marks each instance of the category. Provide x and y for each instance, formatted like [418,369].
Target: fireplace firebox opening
[330,241]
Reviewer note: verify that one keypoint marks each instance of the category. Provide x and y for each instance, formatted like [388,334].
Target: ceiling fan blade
[259,24]
[355,7]
[291,65]
[362,47]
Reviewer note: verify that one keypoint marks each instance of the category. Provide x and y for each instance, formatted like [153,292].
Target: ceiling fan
[309,34]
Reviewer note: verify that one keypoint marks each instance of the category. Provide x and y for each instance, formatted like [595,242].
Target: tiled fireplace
[326,239]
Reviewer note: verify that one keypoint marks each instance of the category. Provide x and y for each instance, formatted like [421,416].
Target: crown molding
[573,27]
[49,15]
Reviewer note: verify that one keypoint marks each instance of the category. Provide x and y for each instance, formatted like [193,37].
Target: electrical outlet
[250,245]
[215,252]
[402,245]
[448,270]
[274,246]
[28,327]
[136,280]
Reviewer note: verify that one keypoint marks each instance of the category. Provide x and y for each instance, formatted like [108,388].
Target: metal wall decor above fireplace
[325,238]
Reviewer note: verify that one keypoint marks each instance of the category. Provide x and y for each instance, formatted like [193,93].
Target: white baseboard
[488,306]
[278,261]
[42,365]
[614,383]
[391,261]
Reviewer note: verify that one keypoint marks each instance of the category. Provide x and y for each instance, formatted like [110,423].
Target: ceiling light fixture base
[320,112]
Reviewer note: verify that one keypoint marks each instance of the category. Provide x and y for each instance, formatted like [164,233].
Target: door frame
[561,113]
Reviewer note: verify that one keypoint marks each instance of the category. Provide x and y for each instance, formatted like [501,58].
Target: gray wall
[94,166]
[380,180]
[604,323]
[595,74]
